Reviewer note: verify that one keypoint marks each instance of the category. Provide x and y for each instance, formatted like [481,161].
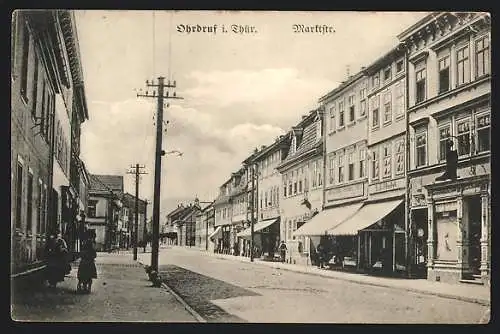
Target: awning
[216,233]
[327,219]
[257,227]
[365,217]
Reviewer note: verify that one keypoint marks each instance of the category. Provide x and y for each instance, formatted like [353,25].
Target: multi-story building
[128,221]
[204,227]
[239,206]
[169,233]
[104,210]
[266,196]
[449,92]
[223,218]
[47,95]
[185,223]
[302,185]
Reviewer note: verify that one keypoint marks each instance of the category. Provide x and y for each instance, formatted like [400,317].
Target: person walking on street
[56,253]
[283,251]
[87,269]
[321,255]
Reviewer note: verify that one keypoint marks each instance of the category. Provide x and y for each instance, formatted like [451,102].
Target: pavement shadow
[199,290]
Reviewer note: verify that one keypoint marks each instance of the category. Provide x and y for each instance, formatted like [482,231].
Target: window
[362,97]
[265,200]
[289,187]
[444,134]
[400,159]
[483,133]
[482,56]
[421,148]
[387,73]
[19,195]
[24,64]
[35,88]
[92,208]
[444,74]
[463,69]
[300,186]
[375,165]
[387,161]
[350,166]
[387,107]
[399,105]
[341,168]
[39,203]
[295,183]
[463,137]
[375,80]
[375,111]
[399,66]
[351,108]
[331,169]
[341,114]
[420,85]
[320,169]
[362,159]
[315,172]
[332,118]
[284,185]
[29,202]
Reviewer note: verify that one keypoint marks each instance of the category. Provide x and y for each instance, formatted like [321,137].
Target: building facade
[449,85]
[127,226]
[223,218]
[104,211]
[204,227]
[301,185]
[47,94]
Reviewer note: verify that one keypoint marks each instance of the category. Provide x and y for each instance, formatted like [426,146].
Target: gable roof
[106,184]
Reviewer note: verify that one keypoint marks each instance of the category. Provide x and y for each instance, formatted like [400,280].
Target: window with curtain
[362,159]
[421,83]
[375,164]
[444,73]
[362,97]
[332,118]
[463,136]
[387,107]
[341,114]
[400,157]
[482,56]
[387,161]
[483,132]
[444,135]
[375,111]
[463,66]
[421,149]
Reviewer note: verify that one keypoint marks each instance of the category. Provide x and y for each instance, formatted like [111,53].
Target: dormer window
[293,146]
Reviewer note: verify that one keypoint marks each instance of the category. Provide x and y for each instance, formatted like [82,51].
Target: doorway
[474,216]
[420,220]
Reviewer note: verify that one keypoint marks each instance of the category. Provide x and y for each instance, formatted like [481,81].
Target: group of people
[58,261]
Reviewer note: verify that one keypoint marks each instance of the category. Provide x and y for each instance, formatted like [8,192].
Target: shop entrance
[474,216]
[419,218]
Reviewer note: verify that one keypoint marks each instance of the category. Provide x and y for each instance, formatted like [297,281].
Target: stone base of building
[444,275]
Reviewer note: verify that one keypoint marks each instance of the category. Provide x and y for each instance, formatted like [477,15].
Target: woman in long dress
[87,269]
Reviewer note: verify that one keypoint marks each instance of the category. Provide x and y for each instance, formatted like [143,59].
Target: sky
[240,90]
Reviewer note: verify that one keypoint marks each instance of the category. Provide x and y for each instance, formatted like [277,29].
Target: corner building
[449,82]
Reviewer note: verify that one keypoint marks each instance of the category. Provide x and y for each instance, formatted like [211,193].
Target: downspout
[408,227]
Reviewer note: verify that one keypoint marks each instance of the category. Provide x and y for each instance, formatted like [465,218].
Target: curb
[188,308]
[423,292]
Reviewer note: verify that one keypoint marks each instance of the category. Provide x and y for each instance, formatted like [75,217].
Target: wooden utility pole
[136,170]
[145,229]
[159,152]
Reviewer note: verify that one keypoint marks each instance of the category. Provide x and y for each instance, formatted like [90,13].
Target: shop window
[482,56]
[444,74]
[19,194]
[446,226]
[463,66]
[421,149]
[444,135]
[483,133]
[463,137]
[29,202]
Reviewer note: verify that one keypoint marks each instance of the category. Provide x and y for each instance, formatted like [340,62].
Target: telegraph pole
[159,152]
[145,229]
[135,234]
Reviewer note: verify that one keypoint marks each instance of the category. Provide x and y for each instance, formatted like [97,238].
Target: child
[87,269]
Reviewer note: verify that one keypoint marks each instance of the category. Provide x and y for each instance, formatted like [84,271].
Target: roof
[106,184]
[407,32]
[309,141]
[278,144]
[129,202]
[343,85]
[176,210]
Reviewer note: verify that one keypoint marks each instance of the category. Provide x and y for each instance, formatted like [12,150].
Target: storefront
[371,240]
[459,215]
[266,237]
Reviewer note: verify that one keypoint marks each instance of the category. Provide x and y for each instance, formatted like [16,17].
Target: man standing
[283,250]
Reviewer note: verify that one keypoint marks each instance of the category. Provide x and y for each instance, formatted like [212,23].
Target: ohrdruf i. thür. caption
[214,29]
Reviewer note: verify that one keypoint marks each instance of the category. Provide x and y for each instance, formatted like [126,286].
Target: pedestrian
[321,256]
[283,251]
[56,254]
[87,269]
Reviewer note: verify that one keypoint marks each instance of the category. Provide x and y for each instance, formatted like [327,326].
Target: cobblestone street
[257,293]
[121,293]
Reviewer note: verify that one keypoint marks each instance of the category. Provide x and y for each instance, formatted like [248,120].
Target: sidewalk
[122,292]
[469,293]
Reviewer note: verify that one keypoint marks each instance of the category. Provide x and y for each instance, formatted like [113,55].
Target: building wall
[269,183]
